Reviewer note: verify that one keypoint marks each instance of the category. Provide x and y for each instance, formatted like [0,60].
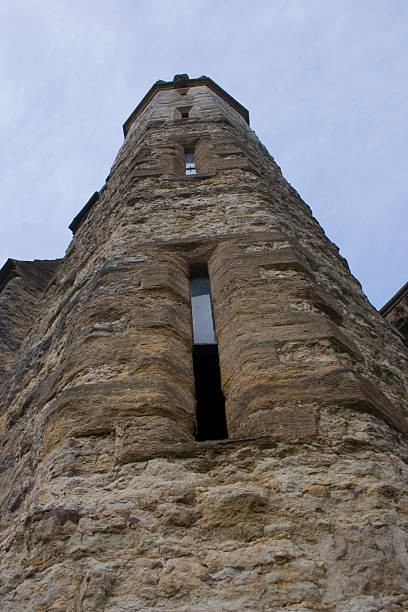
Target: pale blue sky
[325,82]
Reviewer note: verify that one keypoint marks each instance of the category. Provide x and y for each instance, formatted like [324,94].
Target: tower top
[183,81]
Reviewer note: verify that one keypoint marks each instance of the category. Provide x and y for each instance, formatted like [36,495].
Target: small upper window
[182,112]
[190,162]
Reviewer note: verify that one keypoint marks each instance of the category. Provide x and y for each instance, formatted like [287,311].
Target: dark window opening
[210,415]
[183,112]
[190,162]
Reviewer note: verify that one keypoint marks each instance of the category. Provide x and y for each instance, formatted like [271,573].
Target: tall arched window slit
[210,415]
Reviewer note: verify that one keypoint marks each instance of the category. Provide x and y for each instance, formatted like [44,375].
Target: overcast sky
[325,82]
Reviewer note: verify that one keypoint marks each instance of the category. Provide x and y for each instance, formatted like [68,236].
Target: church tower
[201,410]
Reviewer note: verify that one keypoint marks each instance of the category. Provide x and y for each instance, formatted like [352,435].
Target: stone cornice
[181,82]
[403,292]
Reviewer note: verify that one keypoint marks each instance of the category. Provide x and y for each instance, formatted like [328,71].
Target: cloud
[325,83]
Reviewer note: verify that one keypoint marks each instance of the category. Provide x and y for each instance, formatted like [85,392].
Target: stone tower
[251,456]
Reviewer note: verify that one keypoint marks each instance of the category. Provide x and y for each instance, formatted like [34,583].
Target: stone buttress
[108,502]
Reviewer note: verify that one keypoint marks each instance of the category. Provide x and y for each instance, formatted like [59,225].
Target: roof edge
[7,272]
[178,83]
[83,213]
[394,300]
[29,269]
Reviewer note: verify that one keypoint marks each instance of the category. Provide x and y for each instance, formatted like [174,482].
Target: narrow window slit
[190,162]
[210,415]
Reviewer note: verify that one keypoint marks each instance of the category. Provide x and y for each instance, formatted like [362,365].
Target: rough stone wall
[107,501]
[22,284]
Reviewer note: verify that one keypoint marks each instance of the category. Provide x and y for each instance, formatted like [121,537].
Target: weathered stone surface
[107,501]
[22,284]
